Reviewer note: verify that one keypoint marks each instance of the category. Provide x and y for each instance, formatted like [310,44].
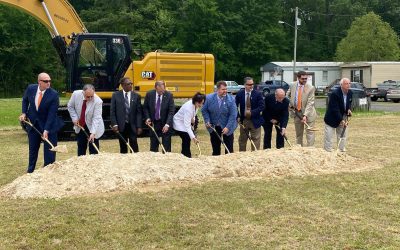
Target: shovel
[343,131]
[219,137]
[123,139]
[248,135]
[197,142]
[308,127]
[158,138]
[59,148]
[284,136]
[84,131]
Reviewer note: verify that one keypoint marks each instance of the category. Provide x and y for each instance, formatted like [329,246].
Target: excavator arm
[58,16]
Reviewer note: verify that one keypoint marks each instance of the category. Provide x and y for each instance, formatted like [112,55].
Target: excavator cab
[98,59]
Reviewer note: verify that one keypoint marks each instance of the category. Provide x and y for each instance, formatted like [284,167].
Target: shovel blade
[60,149]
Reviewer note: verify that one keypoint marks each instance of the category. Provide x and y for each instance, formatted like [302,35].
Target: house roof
[272,65]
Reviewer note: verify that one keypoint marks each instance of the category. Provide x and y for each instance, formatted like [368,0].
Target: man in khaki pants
[251,105]
[302,95]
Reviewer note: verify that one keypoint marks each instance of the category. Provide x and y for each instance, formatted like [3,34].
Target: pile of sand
[103,173]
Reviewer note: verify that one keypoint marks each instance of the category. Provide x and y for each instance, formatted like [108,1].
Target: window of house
[357,75]
[325,76]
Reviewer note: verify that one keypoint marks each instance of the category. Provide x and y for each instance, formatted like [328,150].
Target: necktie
[39,99]
[299,94]
[127,108]
[82,121]
[158,105]
[248,106]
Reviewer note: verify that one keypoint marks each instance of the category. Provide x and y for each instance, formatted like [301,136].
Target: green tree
[369,39]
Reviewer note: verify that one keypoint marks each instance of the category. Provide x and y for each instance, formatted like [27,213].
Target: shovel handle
[219,137]
[123,139]
[87,135]
[41,135]
[158,138]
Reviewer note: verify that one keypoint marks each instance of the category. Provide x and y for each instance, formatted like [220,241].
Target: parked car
[232,87]
[270,86]
[361,98]
[394,94]
[382,88]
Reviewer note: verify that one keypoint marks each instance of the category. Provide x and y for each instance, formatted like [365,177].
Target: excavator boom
[59,16]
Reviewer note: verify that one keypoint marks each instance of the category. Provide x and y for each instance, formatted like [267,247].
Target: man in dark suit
[159,110]
[250,104]
[276,111]
[339,106]
[40,104]
[126,115]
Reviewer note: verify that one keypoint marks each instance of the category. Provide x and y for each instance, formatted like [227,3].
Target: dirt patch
[94,174]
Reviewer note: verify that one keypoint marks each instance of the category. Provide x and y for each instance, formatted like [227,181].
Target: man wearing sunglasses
[85,109]
[40,104]
[302,107]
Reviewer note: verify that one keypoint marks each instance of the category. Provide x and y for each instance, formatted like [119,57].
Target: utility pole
[295,41]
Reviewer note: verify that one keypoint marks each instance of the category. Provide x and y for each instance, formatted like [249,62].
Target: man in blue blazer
[219,110]
[339,106]
[251,105]
[40,104]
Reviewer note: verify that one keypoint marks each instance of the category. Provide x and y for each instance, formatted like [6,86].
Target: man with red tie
[85,109]
[159,110]
[39,105]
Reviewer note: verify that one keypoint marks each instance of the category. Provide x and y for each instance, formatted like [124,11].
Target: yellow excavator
[102,59]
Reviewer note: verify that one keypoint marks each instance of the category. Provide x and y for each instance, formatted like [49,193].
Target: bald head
[279,95]
[44,81]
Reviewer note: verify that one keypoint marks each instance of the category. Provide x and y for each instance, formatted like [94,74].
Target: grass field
[345,210]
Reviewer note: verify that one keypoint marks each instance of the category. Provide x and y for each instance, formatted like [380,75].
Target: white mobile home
[320,74]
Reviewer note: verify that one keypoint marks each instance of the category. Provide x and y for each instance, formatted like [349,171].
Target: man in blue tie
[219,111]
[39,105]
[159,110]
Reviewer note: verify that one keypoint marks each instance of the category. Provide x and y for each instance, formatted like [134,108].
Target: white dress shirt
[183,118]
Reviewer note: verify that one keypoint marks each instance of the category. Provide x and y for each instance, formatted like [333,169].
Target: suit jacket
[276,110]
[45,118]
[117,111]
[224,116]
[93,113]
[307,100]
[336,109]
[167,109]
[257,106]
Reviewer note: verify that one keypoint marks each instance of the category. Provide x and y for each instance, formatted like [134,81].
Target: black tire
[396,100]
[374,98]
[266,92]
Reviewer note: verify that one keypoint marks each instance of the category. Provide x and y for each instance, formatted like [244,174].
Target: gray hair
[344,79]
[247,78]
[159,83]
[88,86]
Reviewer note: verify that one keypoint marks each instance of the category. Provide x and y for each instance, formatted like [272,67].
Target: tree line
[241,34]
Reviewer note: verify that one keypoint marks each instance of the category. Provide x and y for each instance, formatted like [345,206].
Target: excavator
[102,59]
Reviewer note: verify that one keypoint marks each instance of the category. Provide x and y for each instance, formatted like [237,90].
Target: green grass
[10,109]
[341,211]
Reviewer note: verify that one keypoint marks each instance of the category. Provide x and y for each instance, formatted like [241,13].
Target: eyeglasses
[304,78]
[45,81]
[89,96]
[128,83]
[249,84]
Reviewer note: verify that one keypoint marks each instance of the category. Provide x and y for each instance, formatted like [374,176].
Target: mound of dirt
[93,174]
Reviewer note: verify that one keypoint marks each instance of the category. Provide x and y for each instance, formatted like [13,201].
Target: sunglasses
[45,81]
[249,84]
